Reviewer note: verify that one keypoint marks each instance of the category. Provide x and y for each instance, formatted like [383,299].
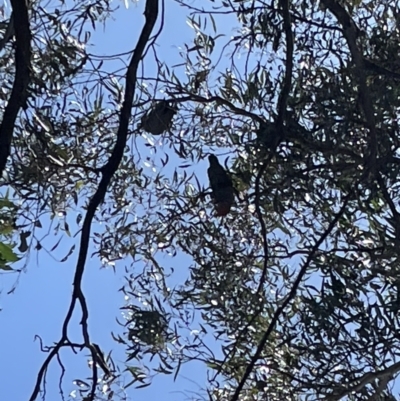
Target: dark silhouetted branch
[351,32]
[151,14]
[384,375]
[22,75]
[287,83]
[288,299]
[282,104]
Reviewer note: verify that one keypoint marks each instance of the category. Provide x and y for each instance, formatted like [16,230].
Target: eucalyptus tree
[292,295]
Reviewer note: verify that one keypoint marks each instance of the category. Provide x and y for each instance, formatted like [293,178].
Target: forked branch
[151,14]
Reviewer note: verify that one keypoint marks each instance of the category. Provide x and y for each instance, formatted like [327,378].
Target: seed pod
[221,186]
[159,118]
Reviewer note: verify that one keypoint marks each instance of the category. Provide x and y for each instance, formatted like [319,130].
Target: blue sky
[43,293]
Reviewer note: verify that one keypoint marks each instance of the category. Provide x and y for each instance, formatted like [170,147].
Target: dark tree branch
[218,100]
[395,220]
[384,374]
[377,69]
[282,104]
[288,299]
[351,32]
[151,14]
[22,76]
[260,217]
[287,83]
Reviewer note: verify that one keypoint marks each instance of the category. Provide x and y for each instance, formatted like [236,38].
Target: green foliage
[8,230]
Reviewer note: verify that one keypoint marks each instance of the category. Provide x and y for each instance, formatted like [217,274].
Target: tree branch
[22,76]
[287,83]
[384,374]
[288,299]
[351,32]
[282,104]
[151,14]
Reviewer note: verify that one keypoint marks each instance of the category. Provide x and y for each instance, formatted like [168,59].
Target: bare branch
[151,14]
[22,76]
